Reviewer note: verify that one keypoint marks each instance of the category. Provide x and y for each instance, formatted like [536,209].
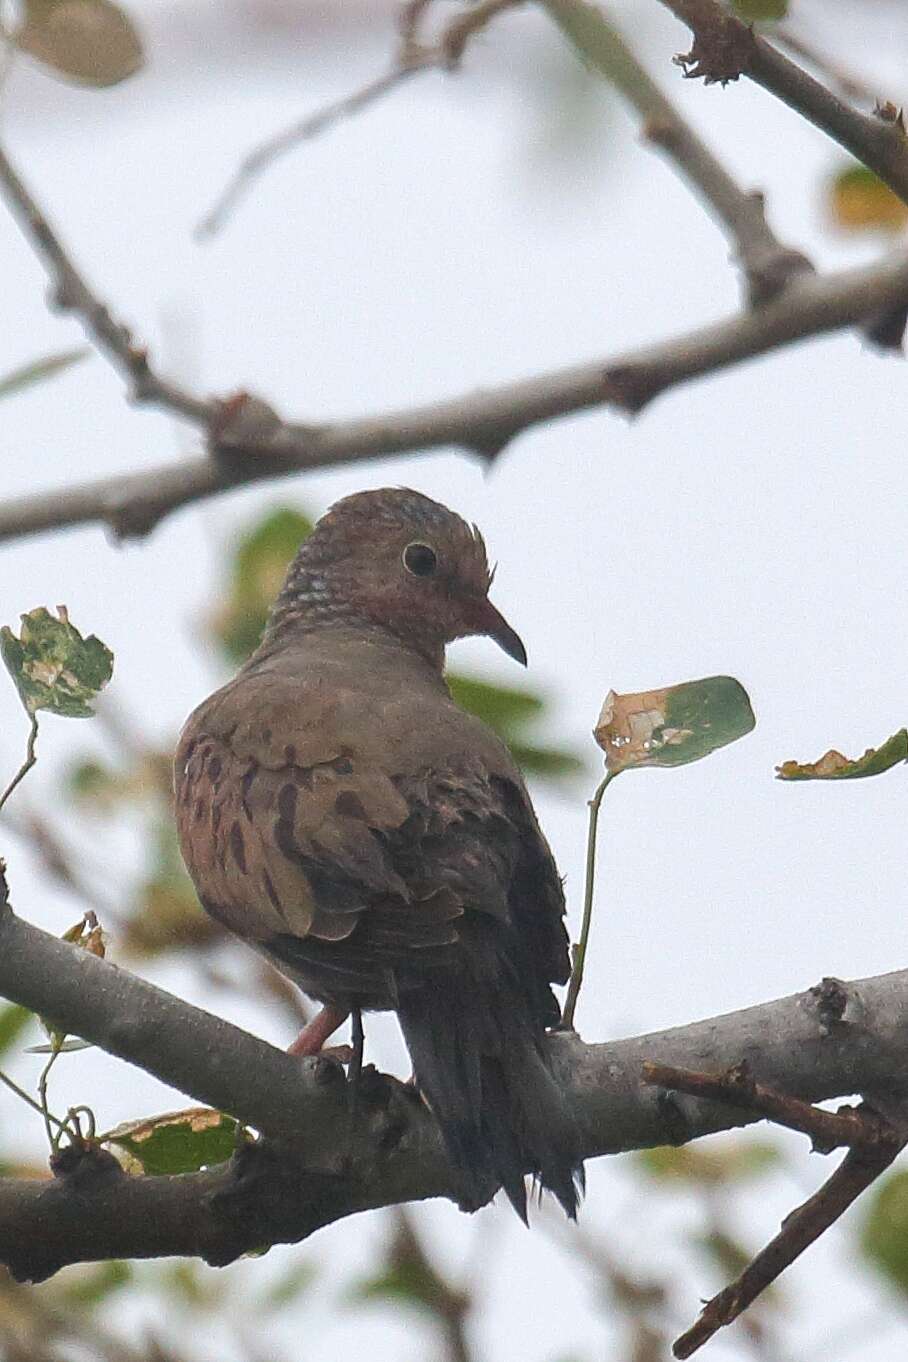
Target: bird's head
[397,560]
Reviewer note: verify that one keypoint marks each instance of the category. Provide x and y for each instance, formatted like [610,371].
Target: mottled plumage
[340,812]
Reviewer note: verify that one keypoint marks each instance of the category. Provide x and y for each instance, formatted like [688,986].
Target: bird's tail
[478,1059]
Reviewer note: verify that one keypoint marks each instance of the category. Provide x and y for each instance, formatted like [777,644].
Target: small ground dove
[339,812]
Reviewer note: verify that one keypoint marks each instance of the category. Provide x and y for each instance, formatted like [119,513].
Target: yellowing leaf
[91,41]
[53,666]
[859,201]
[833,766]
[176,1142]
[672,726]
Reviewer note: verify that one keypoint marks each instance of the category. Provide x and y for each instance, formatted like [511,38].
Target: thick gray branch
[819,1044]
[483,421]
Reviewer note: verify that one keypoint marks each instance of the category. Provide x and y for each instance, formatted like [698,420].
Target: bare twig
[71,293]
[484,421]
[413,58]
[768,266]
[872,1142]
[725,48]
[860,1167]
[30,758]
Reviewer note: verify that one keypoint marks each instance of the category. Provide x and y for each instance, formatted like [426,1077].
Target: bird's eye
[420,559]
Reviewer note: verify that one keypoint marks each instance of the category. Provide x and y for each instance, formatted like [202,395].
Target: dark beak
[493,623]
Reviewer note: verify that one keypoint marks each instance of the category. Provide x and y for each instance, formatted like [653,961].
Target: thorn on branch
[722,49]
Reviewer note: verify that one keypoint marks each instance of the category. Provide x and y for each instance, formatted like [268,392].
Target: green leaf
[177,1142]
[711,1165]
[833,766]
[503,708]
[88,1287]
[13,1021]
[406,1283]
[546,762]
[53,667]
[859,201]
[92,42]
[673,726]
[884,1235]
[755,10]
[258,566]
[289,1287]
[40,369]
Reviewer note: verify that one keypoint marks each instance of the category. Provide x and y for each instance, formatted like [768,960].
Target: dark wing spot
[349,803]
[290,754]
[214,767]
[199,807]
[246,790]
[238,846]
[286,803]
[343,766]
[272,892]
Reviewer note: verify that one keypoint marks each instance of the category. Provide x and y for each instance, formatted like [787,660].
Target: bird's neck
[307,606]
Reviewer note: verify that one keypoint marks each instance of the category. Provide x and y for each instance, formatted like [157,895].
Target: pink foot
[314,1034]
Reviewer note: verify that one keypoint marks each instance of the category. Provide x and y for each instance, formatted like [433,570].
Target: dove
[342,815]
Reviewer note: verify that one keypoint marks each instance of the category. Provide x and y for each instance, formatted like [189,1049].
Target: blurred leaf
[546,762]
[673,726]
[754,10]
[730,1256]
[59,1047]
[89,1286]
[732,1161]
[503,708]
[406,1283]
[176,1142]
[859,201]
[833,766]
[258,566]
[40,369]
[13,1021]
[508,709]
[289,1287]
[53,667]
[884,1234]
[92,41]
[167,913]
[92,783]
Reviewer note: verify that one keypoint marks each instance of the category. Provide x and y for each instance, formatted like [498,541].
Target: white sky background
[750,523]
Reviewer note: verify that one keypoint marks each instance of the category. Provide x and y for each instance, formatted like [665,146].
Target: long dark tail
[478,1058]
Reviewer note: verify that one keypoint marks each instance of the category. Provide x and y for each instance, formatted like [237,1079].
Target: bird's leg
[314,1034]
[356,1063]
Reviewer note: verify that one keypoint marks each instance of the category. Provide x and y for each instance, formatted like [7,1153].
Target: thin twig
[27,1097]
[767,264]
[71,293]
[872,1143]
[827,1129]
[412,59]
[579,961]
[860,1167]
[484,421]
[30,759]
[725,47]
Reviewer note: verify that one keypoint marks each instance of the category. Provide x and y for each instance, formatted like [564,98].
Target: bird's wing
[356,879]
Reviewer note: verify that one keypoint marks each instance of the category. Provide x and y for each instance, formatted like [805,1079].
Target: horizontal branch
[483,422]
[725,47]
[316,1169]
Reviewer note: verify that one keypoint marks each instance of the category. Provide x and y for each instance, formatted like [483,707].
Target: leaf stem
[570,1005]
[26,1097]
[30,759]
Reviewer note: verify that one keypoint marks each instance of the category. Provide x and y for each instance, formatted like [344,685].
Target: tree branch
[725,48]
[314,1169]
[484,422]
[768,266]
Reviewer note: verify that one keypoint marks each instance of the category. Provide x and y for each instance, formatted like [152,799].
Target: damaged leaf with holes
[53,666]
[834,766]
[175,1142]
[674,725]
